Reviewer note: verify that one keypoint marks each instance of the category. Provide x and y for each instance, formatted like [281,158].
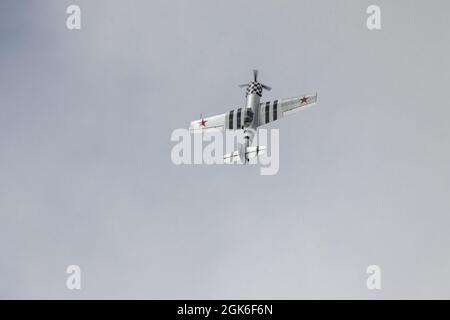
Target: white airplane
[252,116]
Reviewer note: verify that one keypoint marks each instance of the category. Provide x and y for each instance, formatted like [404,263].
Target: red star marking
[202,122]
[304,99]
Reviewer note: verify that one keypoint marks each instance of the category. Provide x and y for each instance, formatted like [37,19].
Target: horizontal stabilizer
[250,153]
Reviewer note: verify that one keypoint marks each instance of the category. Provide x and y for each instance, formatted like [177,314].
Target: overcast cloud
[86,176]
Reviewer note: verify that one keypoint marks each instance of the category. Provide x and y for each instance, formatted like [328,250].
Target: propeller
[266,87]
[255,75]
[255,79]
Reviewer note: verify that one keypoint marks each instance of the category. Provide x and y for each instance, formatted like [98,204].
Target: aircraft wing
[232,120]
[208,124]
[275,110]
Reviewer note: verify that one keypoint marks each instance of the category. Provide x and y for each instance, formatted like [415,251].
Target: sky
[86,176]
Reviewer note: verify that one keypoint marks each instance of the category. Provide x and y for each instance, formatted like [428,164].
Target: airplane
[254,115]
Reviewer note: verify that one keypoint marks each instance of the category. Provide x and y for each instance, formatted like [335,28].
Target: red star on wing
[202,123]
[304,99]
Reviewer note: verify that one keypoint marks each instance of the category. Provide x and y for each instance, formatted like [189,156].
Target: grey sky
[86,176]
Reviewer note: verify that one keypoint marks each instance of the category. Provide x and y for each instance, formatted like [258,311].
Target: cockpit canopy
[248,116]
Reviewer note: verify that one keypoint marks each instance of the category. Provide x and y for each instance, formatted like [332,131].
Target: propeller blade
[255,75]
[243,85]
[266,87]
